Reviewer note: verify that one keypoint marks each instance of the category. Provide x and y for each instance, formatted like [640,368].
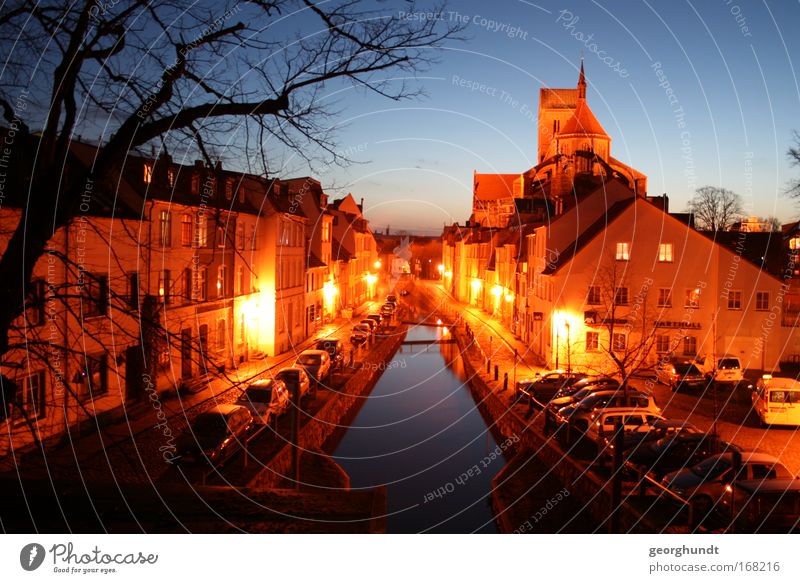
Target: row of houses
[576,260]
[194,270]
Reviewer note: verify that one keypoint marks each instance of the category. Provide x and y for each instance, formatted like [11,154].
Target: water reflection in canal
[418,432]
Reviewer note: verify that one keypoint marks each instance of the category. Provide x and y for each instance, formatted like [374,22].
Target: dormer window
[623,251]
[148,173]
[229,188]
[171,177]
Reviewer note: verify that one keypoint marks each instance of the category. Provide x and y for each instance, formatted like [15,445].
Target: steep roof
[494,186]
[558,98]
[582,122]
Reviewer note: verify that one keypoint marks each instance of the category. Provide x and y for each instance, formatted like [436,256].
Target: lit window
[623,251]
[186,230]
[593,298]
[202,282]
[664,297]
[762,301]
[221,277]
[692,298]
[689,345]
[229,188]
[592,341]
[794,243]
[220,237]
[734,300]
[171,177]
[665,253]
[148,173]
[201,231]
[165,228]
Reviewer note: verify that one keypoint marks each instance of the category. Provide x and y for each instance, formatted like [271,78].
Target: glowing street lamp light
[378,264]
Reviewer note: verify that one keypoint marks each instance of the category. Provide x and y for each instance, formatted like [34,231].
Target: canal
[421,435]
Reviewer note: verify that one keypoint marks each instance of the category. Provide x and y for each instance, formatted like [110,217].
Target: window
[240,235]
[692,298]
[220,237]
[163,285]
[95,375]
[31,397]
[221,343]
[221,277]
[240,279]
[326,232]
[621,296]
[242,193]
[762,301]
[689,345]
[133,289]
[34,307]
[253,238]
[592,341]
[735,300]
[148,173]
[665,253]
[171,177]
[202,283]
[229,188]
[201,231]
[165,228]
[187,285]
[186,230]
[618,341]
[94,294]
[662,343]
[593,298]
[195,184]
[664,297]
[623,251]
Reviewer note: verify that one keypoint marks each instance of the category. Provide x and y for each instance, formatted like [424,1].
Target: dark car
[377,317]
[215,435]
[680,375]
[763,506]
[579,391]
[335,348]
[544,387]
[392,299]
[678,451]
[659,430]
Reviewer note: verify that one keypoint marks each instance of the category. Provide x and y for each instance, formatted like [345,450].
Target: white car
[316,363]
[266,399]
[724,368]
[602,427]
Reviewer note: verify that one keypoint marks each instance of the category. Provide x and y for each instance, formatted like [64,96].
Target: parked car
[358,338]
[316,363]
[377,318]
[776,400]
[373,325]
[215,435]
[602,428]
[392,299]
[725,368]
[680,375]
[763,506]
[579,415]
[403,292]
[363,329]
[580,389]
[266,399]
[295,377]
[677,451]
[704,483]
[335,349]
[544,387]
[659,430]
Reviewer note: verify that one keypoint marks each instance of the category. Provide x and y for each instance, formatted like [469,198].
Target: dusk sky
[728,123]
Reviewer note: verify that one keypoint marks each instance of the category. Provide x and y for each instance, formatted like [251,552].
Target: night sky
[727,121]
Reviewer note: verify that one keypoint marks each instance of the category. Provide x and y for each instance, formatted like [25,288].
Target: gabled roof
[340,253]
[314,261]
[494,186]
[587,235]
[582,122]
[558,98]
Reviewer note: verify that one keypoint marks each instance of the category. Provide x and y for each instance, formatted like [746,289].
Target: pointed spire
[582,82]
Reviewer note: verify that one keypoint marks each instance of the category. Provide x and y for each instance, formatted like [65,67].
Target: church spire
[582,82]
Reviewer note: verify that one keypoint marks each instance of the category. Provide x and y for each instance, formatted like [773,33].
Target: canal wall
[590,489]
[330,418]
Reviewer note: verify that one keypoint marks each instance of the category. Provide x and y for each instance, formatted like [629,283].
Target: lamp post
[569,352]
[558,343]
